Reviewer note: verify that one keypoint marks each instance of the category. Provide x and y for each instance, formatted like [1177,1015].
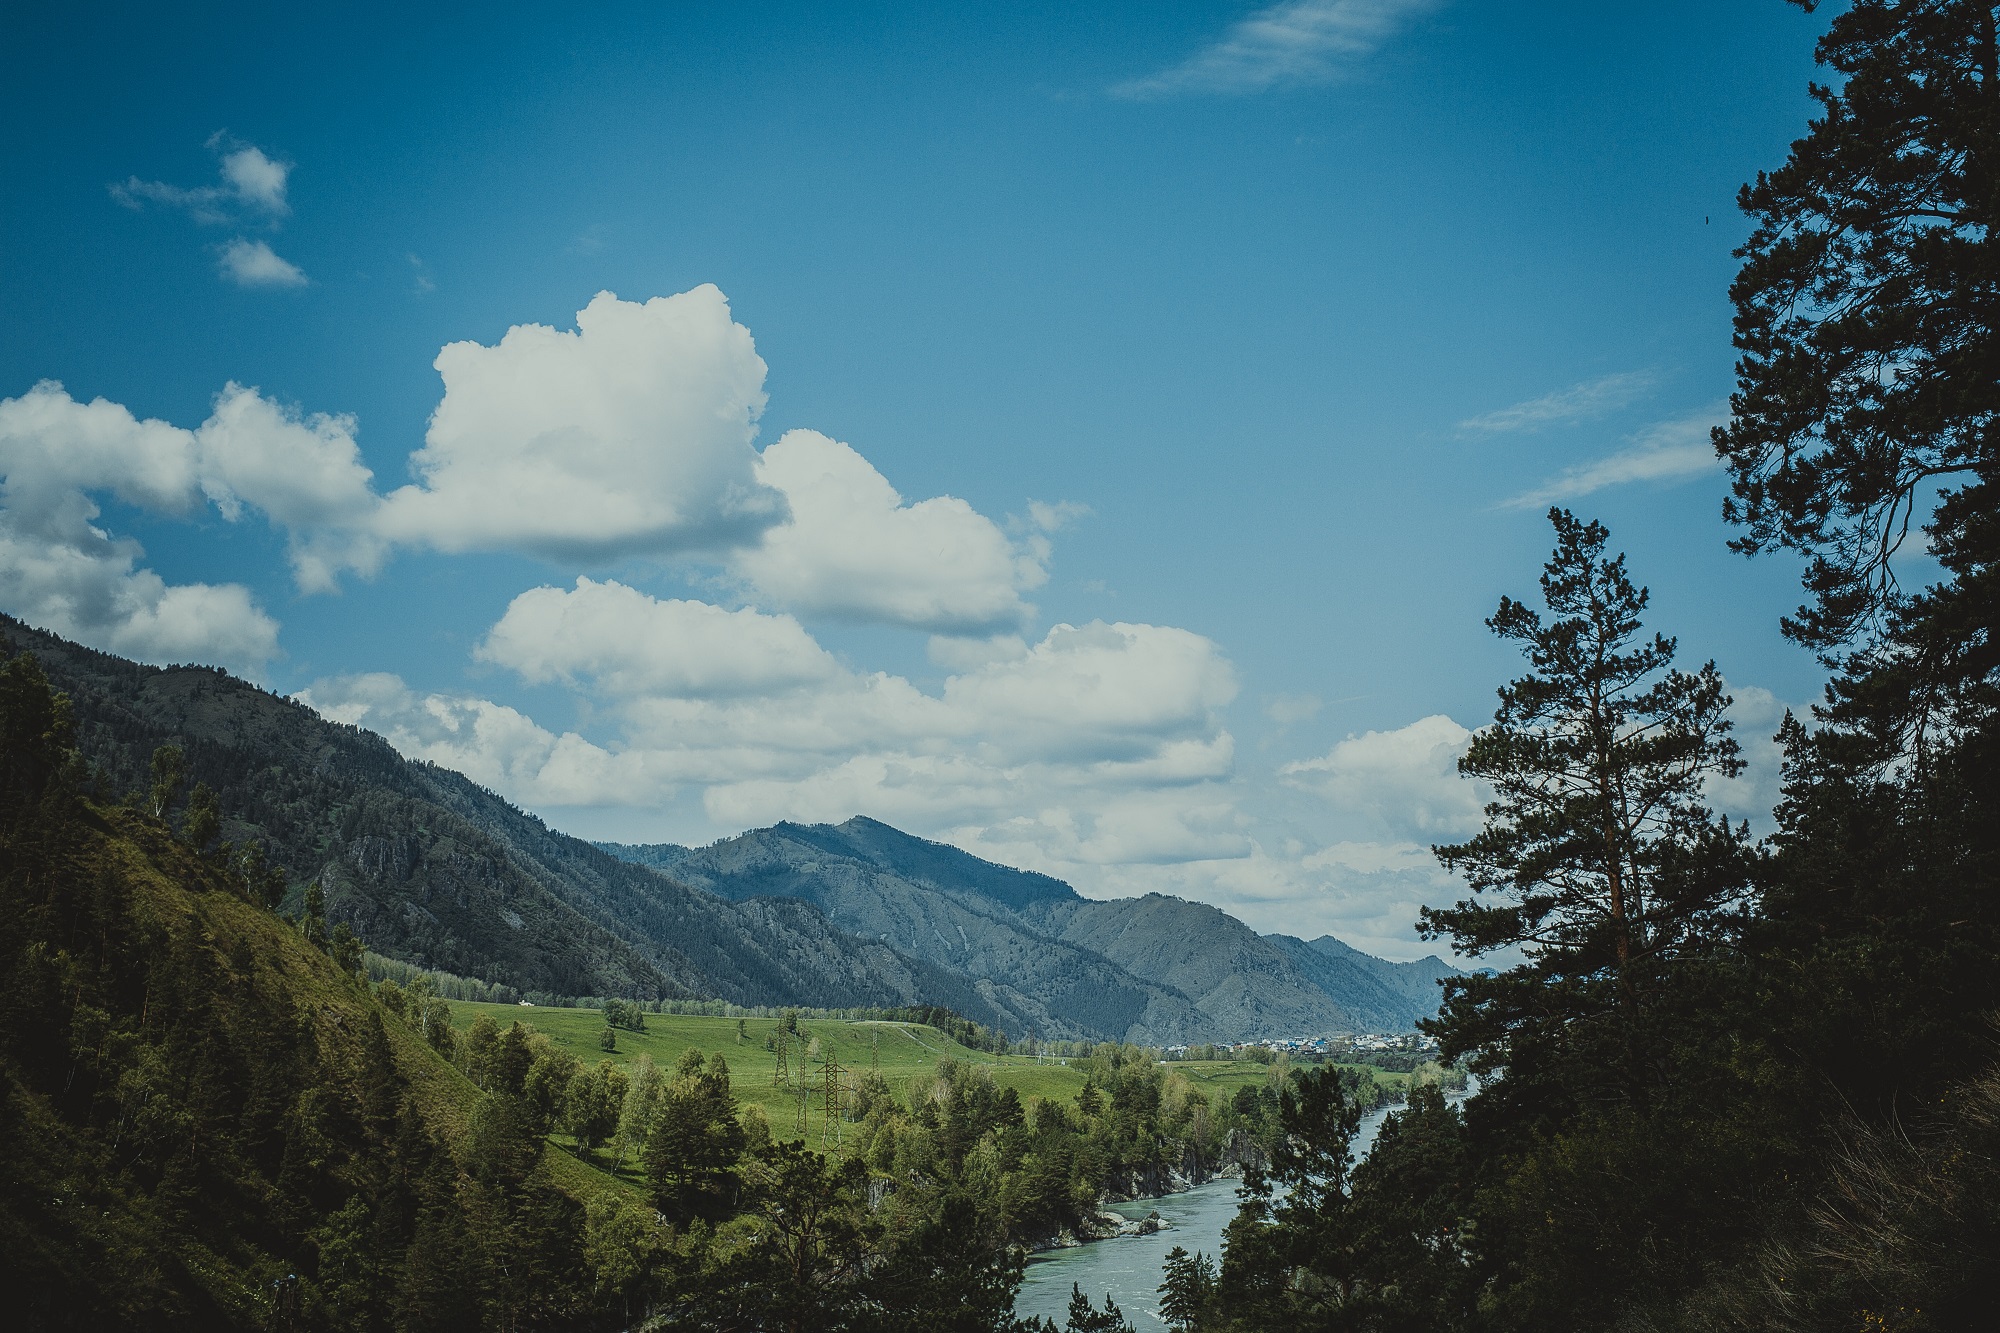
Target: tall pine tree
[1599,861]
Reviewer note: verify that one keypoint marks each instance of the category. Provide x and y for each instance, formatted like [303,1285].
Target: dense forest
[1736,1083]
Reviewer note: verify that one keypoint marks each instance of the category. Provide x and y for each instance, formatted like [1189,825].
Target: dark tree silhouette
[1599,859]
[1868,390]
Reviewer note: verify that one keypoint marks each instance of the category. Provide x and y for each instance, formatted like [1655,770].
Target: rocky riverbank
[1105,1224]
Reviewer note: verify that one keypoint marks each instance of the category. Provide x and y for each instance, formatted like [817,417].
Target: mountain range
[429,867]
[1049,958]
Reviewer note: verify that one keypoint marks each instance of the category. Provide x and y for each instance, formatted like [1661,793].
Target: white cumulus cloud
[624,644]
[630,435]
[257,179]
[61,571]
[303,472]
[1406,781]
[251,196]
[854,550]
[496,746]
[253,183]
[1119,725]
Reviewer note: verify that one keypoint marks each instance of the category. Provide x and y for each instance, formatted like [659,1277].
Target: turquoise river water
[1129,1268]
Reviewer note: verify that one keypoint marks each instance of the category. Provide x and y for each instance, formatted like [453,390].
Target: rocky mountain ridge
[1037,947]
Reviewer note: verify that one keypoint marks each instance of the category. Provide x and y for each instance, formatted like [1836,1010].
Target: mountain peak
[924,861]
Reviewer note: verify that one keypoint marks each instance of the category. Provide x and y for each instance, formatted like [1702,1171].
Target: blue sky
[1246,343]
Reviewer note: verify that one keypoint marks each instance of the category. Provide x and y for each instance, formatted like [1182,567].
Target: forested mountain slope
[210,1121]
[1164,968]
[428,866]
[206,1123]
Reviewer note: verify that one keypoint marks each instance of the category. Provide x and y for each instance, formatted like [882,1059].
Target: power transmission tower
[781,1077]
[800,1089]
[830,1072]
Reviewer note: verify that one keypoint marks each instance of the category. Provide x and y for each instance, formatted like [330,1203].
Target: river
[1130,1267]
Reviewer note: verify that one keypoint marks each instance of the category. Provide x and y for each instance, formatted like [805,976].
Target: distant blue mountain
[1154,969]
[1394,994]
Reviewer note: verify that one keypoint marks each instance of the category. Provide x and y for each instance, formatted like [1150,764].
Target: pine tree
[1189,1288]
[1599,859]
[1868,318]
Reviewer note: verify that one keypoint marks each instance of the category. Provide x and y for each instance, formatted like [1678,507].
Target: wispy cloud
[1289,44]
[251,197]
[254,264]
[1668,451]
[1579,402]
[253,183]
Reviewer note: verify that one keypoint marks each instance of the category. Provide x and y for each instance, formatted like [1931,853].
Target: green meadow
[904,1054]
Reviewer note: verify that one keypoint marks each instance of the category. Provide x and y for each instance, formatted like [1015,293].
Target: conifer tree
[1867,409]
[36,731]
[1599,859]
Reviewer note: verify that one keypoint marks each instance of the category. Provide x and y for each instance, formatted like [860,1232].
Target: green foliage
[344,947]
[1866,320]
[169,772]
[431,869]
[624,1014]
[201,823]
[263,882]
[693,1144]
[37,730]
[1187,1295]
[206,1124]
[1083,1318]
[593,1104]
[1779,1117]
[313,923]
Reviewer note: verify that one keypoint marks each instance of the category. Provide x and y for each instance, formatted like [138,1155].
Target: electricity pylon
[799,1090]
[830,1072]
